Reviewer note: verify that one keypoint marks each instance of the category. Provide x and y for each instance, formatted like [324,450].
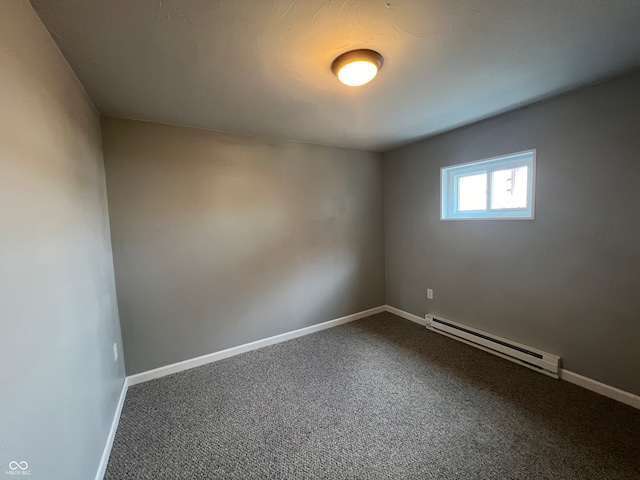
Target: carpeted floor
[377,398]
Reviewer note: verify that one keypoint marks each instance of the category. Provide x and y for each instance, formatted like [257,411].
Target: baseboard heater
[529,357]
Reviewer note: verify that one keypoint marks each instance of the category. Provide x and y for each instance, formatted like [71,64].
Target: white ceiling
[262,66]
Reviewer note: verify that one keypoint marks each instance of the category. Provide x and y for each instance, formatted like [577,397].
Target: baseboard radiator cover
[529,357]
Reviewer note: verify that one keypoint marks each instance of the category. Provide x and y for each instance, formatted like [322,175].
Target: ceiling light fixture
[357,67]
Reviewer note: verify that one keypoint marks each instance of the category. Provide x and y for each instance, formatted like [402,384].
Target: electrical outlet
[115,352]
[429,294]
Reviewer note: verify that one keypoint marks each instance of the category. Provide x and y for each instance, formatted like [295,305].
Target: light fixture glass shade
[355,74]
[357,67]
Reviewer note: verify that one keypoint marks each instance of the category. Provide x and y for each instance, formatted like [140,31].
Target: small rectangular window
[501,187]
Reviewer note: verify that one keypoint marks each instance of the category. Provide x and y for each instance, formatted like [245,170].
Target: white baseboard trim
[584,382]
[406,315]
[102,466]
[601,388]
[247,347]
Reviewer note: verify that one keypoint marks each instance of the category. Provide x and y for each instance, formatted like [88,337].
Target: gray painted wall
[223,239]
[59,384]
[567,282]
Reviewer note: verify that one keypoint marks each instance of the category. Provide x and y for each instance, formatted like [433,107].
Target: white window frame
[449,195]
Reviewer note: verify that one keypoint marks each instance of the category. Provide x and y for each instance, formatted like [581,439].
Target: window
[500,187]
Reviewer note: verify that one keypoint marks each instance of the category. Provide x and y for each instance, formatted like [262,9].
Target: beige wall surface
[567,282]
[223,239]
[59,383]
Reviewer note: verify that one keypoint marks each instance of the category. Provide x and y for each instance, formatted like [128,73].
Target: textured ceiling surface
[262,66]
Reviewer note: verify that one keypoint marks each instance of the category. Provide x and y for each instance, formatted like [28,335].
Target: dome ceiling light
[357,67]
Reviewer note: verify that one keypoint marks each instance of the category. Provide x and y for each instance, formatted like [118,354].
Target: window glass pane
[509,188]
[499,187]
[472,192]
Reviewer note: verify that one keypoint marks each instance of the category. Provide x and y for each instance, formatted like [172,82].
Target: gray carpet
[377,398]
